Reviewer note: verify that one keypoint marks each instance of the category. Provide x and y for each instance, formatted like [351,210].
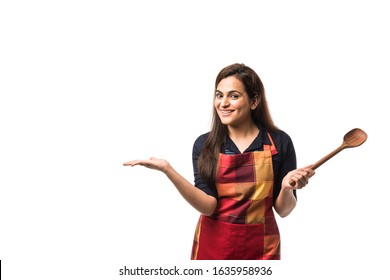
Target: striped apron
[243,226]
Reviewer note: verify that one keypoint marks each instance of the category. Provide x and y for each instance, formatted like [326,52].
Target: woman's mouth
[226,113]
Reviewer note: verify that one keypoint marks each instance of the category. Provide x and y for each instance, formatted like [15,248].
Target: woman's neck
[243,136]
[243,132]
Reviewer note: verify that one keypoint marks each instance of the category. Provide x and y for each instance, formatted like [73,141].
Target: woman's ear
[255,102]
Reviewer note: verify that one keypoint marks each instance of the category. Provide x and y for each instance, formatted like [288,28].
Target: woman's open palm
[152,163]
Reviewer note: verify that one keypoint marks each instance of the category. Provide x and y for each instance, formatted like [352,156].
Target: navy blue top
[283,162]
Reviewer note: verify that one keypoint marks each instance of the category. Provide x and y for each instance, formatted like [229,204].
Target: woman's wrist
[166,168]
[287,191]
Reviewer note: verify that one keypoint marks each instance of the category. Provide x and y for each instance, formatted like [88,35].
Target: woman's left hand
[300,176]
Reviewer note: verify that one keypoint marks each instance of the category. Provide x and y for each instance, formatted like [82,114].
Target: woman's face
[232,102]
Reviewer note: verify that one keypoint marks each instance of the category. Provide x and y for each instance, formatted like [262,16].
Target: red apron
[243,226]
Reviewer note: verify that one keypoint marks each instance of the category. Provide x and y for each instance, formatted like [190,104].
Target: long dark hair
[261,115]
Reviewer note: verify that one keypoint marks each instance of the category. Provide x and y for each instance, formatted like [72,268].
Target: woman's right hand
[152,163]
[201,201]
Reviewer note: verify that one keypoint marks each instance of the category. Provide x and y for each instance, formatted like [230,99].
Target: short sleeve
[286,162]
[200,183]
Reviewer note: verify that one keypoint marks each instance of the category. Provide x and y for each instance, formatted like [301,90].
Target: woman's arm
[286,200]
[201,201]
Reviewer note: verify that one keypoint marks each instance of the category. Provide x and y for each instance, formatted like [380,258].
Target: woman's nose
[224,102]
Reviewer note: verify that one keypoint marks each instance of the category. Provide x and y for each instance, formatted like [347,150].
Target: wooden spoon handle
[321,161]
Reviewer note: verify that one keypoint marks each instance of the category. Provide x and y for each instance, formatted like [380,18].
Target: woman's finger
[132,163]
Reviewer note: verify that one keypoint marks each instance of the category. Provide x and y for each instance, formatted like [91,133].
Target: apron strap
[274,151]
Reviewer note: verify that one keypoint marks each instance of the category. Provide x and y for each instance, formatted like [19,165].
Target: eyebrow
[229,92]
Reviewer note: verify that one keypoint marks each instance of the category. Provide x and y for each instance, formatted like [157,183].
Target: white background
[87,85]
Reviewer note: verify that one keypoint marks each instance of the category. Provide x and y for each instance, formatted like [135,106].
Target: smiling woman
[242,169]
[234,106]
[232,102]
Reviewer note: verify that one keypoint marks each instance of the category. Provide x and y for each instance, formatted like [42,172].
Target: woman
[242,169]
